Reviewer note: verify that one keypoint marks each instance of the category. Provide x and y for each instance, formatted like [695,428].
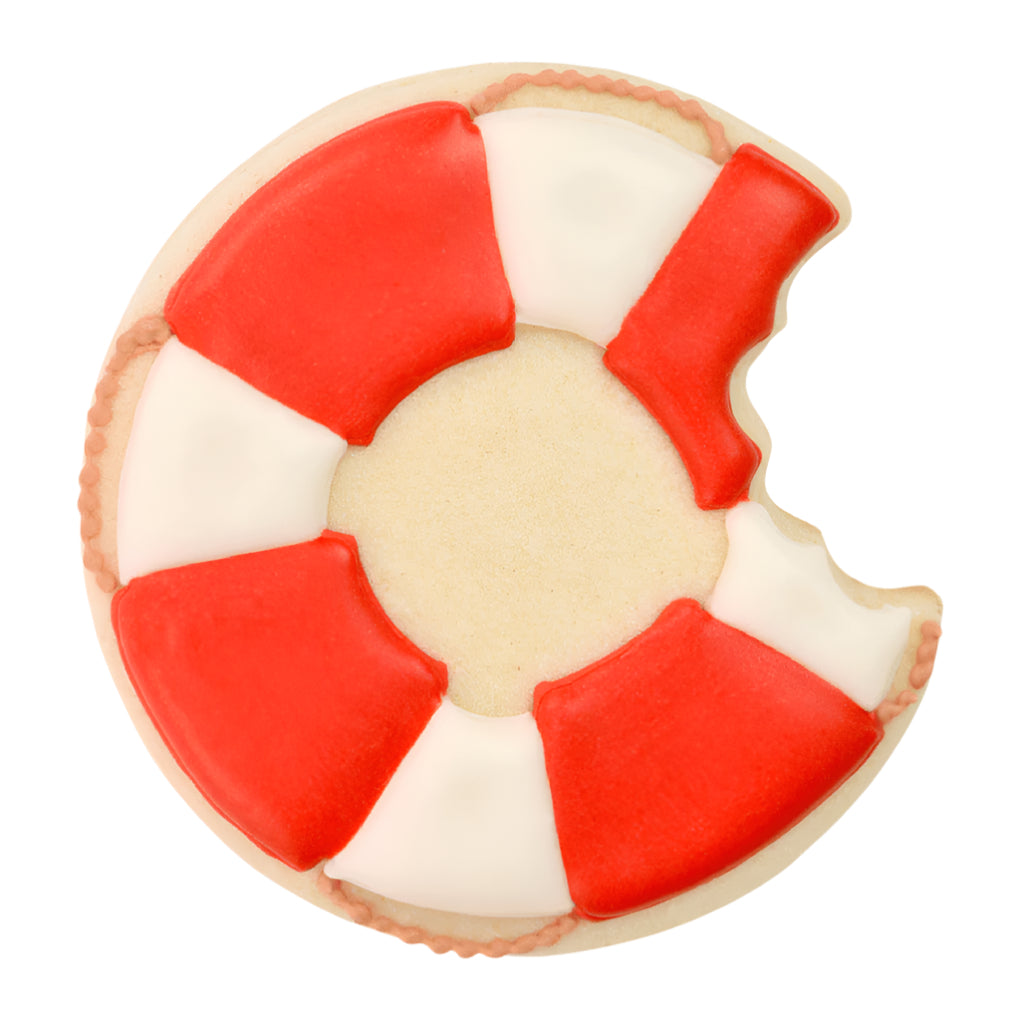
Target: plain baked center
[522,515]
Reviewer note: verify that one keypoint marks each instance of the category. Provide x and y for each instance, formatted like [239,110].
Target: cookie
[425,523]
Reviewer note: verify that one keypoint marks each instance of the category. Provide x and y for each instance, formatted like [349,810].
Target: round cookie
[425,521]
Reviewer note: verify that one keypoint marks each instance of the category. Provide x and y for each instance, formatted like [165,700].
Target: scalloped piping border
[924,663]
[148,334]
[689,109]
[363,913]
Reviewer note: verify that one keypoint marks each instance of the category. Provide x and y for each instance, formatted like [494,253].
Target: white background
[888,398]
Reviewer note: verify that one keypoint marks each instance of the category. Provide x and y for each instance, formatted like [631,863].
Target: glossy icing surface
[586,208]
[342,233]
[683,753]
[465,824]
[280,687]
[783,593]
[227,470]
[337,287]
[713,299]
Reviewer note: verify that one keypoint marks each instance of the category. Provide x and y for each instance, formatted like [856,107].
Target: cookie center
[522,515]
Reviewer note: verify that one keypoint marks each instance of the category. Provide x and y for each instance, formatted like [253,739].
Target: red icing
[712,300]
[275,678]
[358,272]
[281,688]
[685,752]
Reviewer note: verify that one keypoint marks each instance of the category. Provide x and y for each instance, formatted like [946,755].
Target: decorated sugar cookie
[425,521]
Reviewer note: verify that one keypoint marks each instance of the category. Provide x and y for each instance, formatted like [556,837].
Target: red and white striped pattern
[251,634]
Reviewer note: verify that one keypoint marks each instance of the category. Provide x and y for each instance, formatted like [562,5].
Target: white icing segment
[214,468]
[586,208]
[465,824]
[783,592]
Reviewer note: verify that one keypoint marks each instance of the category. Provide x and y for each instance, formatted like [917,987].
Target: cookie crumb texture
[436,466]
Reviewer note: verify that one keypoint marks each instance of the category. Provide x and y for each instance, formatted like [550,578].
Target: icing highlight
[684,753]
[784,593]
[586,208]
[712,300]
[465,824]
[228,470]
[281,688]
[362,269]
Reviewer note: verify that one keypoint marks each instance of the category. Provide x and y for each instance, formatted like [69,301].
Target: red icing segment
[358,272]
[712,300]
[281,688]
[685,752]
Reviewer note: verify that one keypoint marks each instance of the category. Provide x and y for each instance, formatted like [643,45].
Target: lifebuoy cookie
[424,516]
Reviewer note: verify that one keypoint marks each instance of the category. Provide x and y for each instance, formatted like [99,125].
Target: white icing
[465,824]
[586,208]
[784,593]
[214,468]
